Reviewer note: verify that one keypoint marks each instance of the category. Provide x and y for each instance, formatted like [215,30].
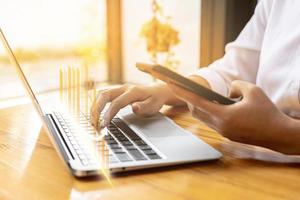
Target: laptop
[129,142]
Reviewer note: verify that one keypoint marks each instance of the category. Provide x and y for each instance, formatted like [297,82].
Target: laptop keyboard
[121,142]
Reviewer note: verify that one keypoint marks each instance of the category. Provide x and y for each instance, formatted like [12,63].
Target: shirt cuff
[215,81]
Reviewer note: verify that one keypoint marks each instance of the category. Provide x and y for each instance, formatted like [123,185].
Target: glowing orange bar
[61,84]
[85,71]
[78,89]
[69,88]
[74,89]
[65,81]
[94,95]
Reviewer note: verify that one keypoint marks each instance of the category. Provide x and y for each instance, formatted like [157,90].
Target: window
[184,18]
[46,35]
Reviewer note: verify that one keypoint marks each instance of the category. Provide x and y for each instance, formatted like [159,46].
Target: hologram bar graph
[77,94]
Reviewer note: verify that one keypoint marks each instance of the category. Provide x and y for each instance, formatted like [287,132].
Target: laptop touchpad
[154,126]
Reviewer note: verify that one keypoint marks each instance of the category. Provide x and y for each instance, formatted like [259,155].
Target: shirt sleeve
[241,59]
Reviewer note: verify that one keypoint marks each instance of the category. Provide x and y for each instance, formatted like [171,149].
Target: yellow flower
[160,37]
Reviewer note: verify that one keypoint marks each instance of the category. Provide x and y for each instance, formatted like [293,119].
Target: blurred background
[109,36]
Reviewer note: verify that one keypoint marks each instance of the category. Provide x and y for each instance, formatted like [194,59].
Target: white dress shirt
[266,53]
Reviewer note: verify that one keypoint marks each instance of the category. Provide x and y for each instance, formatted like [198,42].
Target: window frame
[216,29]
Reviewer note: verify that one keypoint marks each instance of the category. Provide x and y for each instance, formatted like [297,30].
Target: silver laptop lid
[20,72]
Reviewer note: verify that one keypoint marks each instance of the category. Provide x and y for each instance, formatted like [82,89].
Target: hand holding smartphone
[167,75]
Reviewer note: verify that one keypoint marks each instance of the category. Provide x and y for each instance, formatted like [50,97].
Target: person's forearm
[289,137]
[283,136]
[171,99]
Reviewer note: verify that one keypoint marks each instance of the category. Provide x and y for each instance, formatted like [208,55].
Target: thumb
[146,107]
[240,89]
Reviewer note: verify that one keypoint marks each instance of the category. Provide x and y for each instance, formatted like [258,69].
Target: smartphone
[168,75]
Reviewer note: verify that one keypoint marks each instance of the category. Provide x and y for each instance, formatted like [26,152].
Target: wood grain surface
[30,168]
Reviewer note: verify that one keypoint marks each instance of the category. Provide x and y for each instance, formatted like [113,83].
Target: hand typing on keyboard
[145,100]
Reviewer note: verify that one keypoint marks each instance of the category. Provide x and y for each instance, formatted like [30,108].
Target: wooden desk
[31,169]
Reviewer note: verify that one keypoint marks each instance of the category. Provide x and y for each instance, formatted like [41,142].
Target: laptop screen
[67,85]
